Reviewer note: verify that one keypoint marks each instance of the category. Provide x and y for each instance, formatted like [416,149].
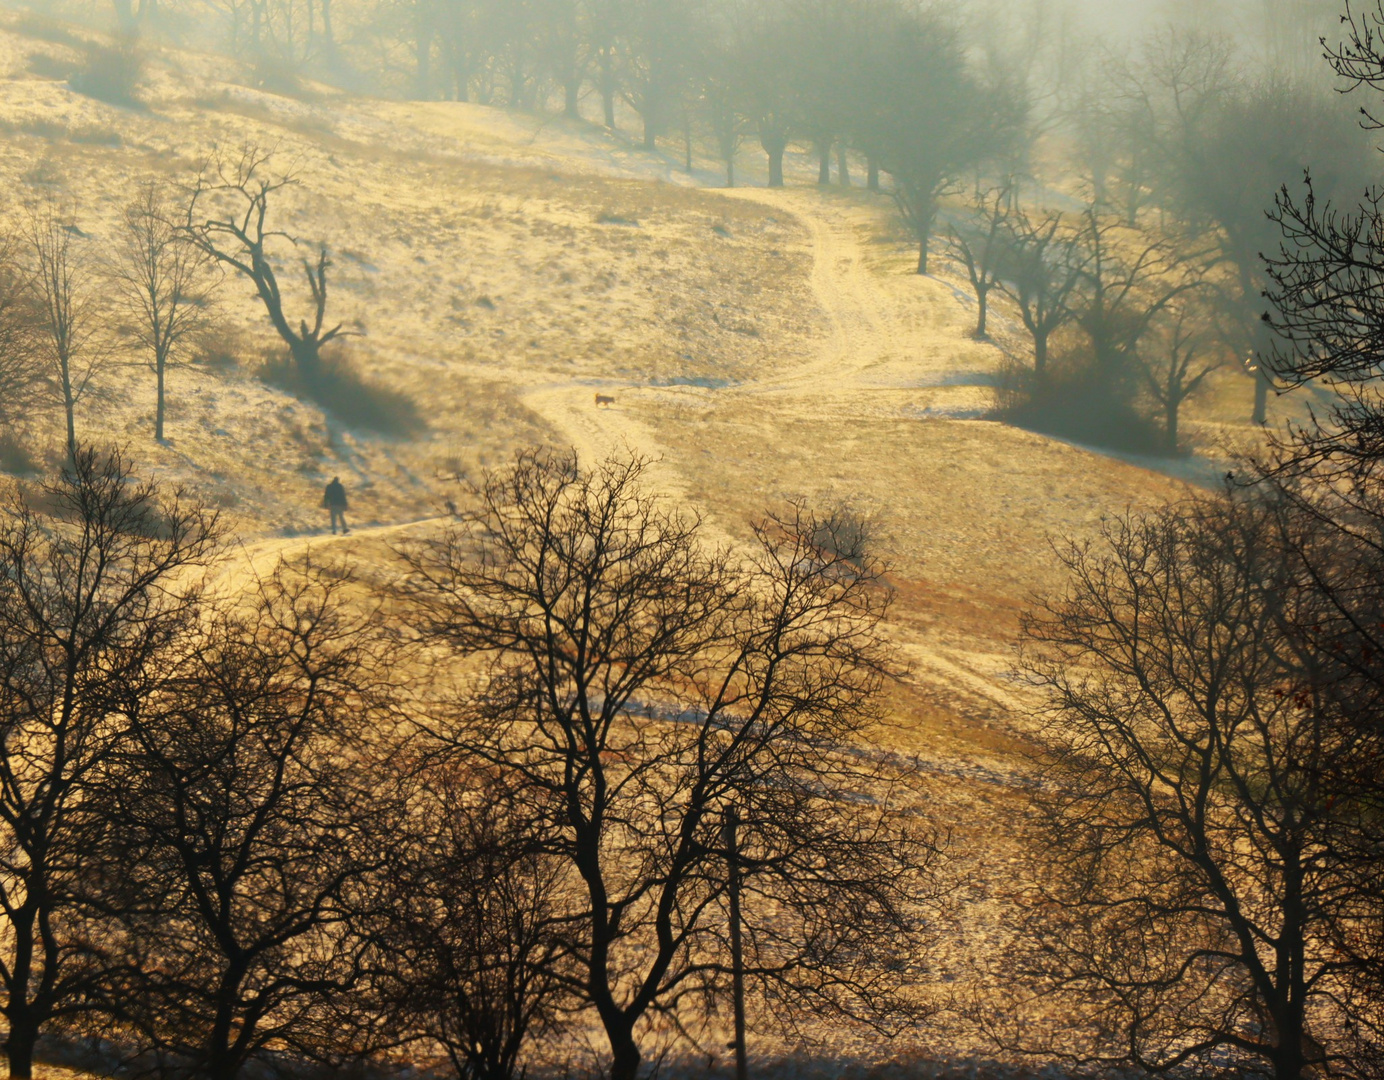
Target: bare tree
[21,372]
[471,957]
[1185,356]
[639,687]
[980,244]
[1042,270]
[932,119]
[88,604]
[240,192]
[68,301]
[1127,279]
[164,285]
[250,785]
[1199,873]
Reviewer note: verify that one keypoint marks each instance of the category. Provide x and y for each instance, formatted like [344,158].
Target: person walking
[334,499]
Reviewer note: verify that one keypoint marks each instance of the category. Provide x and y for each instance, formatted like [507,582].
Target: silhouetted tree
[471,957]
[1184,355]
[89,601]
[1127,279]
[164,284]
[938,121]
[239,237]
[21,357]
[1043,266]
[638,687]
[68,303]
[664,40]
[1248,145]
[769,95]
[250,785]
[981,245]
[1200,868]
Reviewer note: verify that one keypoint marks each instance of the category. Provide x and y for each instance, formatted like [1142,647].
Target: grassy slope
[766,345]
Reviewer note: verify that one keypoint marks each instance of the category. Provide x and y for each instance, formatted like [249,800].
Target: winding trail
[869,365]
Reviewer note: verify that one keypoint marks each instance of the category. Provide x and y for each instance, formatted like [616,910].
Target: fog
[691,538]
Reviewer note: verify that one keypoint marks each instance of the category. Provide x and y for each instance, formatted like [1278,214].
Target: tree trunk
[982,306]
[1040,354]
[571,99]
[19,1048]
[873,179]
[824,161]
[1170,411]
[423,57]
[843,168]
[69,405]
[922,251]
[124,16]
[625,1057]
[737,959]
[608,88]
[775,148]
[461,73]
[730,171]
[328,32]
[158,409]
[1261,397]
[308,359]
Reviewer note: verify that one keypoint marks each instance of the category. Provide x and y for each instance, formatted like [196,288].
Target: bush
[16,458]
[845,533]
[1072,402]
[340,389]
[110,73]
[276,75]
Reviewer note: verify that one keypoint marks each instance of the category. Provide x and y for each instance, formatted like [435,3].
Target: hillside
[502,269]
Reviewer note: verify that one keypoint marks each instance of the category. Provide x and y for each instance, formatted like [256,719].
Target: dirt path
[247,563]
[868,350]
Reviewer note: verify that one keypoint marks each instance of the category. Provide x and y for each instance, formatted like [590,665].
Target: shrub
[110,73]
[47,66]
[340,389]
[845,532]
[16,458]
[276,75]
[1071,401]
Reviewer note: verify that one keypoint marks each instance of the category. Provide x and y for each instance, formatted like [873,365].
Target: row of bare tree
[519,788]
[70,306]
[1209,896]
[67,311]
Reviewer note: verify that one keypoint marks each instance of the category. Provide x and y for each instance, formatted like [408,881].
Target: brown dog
[604,399]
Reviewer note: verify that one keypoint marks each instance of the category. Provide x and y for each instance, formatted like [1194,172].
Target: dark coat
[334,498]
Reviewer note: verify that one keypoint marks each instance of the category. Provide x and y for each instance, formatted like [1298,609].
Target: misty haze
[561,539]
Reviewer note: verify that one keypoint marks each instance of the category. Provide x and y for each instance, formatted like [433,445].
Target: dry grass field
[763,345]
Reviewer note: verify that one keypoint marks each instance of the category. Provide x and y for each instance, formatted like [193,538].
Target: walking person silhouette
[334,499]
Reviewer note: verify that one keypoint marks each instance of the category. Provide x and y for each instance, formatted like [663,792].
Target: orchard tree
[69,308]
[935,119]
[165,285]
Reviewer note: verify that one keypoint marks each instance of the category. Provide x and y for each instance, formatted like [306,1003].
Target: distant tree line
[1207,895]
[1173,147]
